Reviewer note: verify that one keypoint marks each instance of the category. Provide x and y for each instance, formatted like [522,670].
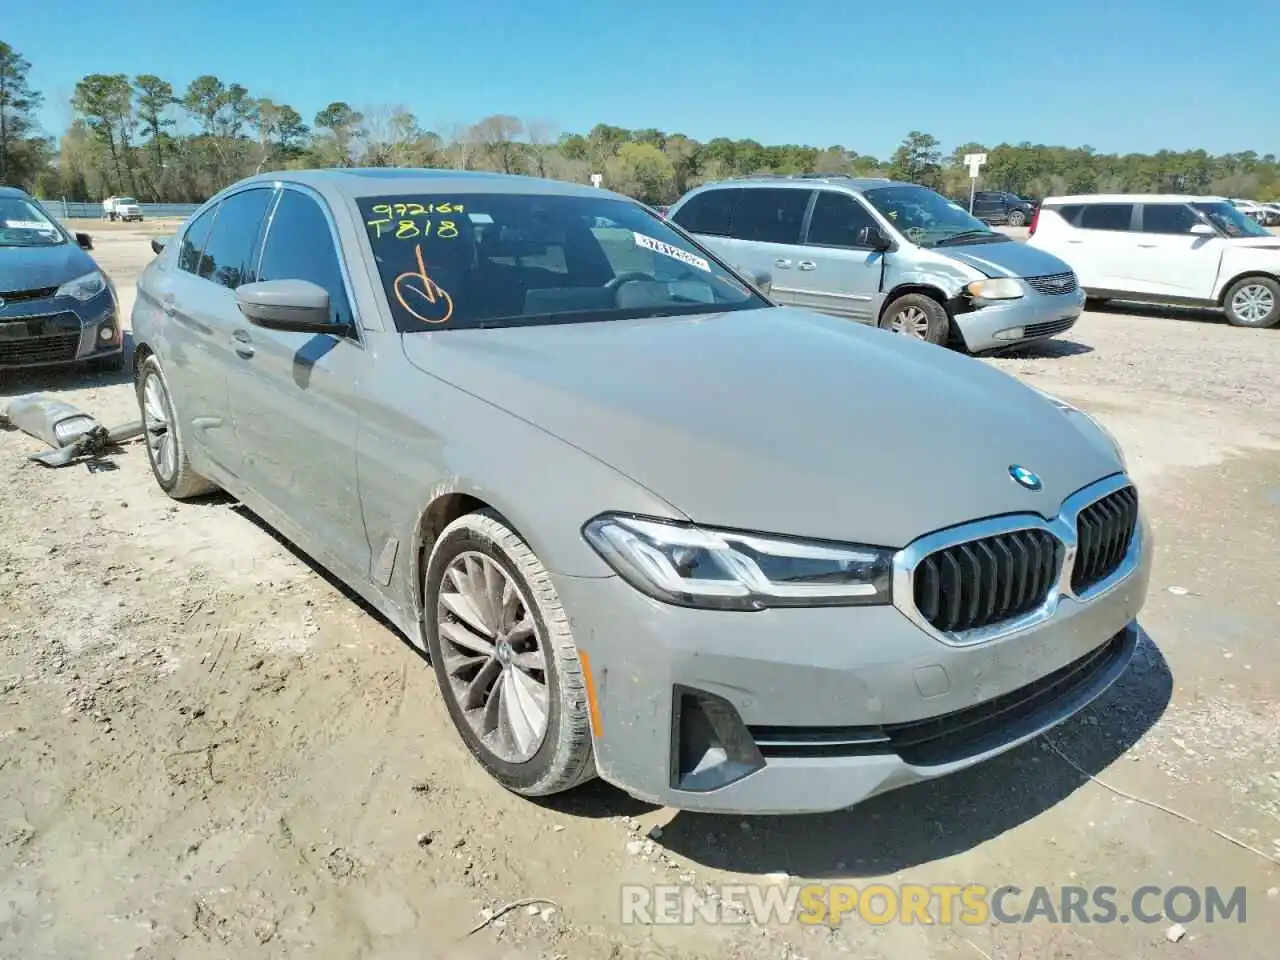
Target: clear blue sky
[1120,75]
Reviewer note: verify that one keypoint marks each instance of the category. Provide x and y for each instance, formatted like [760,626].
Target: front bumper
[787,696]
[1007,323]
[55,331]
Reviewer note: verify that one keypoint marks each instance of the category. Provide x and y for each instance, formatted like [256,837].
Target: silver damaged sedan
[647,524]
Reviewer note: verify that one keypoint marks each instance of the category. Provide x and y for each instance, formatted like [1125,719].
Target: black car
[56,306]
[1001,206]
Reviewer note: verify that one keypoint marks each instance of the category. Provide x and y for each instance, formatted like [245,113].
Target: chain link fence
[88,210]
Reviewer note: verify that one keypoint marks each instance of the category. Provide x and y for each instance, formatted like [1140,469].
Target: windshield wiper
[964,235]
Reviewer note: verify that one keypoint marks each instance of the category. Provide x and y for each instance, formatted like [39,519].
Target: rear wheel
[917,316]
[1253,302]
[505,659]
[1017,218]
[166,447]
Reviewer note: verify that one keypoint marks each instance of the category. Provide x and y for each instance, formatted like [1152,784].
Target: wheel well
[954,336]
[140,354]
[439,514]
[1260,274]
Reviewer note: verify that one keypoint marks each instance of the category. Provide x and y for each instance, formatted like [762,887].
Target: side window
[1168,218]
[300,246]
[1106,216]
[1069,212]
[838,220]
[709,213]
[770,215]
[193,241]
[233,243]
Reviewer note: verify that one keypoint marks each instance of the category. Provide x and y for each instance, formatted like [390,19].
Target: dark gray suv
[56,305]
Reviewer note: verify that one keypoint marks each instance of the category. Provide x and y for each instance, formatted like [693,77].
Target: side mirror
[763,281]
[873,238]
[84,241]
[298,306]
[158,244]
[1202,230]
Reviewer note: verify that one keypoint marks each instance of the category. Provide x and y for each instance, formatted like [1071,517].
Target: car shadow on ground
[1044,350]
[79,376]
[940,818]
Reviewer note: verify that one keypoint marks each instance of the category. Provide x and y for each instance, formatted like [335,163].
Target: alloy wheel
[1253,303]
[157,417]
[911,322]
[494,656]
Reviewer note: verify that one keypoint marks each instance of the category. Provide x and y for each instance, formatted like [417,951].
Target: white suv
[1195,251]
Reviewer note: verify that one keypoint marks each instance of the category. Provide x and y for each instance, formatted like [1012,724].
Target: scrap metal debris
[72,433]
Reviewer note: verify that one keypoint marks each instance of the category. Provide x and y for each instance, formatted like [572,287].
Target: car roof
[13,192]
[805,181]
[350,182]
[1136,198]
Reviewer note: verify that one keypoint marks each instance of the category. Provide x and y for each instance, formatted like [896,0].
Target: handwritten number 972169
[413,221]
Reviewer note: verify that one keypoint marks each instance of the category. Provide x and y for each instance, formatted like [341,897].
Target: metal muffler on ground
[70,431]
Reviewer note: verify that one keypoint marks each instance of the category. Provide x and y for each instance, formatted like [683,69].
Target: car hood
[1256,243]
[1011,259]
[31,268]
[779,420]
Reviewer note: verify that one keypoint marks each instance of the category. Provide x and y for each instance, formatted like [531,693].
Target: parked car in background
[121,208]
[894,255]
[1001,206]
[1196,251]
[56,306]
[1249,208]
[649,525]
[1270,214]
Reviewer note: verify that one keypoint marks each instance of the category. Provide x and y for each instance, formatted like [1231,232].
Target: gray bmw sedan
[647,524]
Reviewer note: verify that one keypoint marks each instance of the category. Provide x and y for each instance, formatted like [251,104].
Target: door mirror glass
[763,281]
[157,245]
[873,238]
[298,306]
[84,241]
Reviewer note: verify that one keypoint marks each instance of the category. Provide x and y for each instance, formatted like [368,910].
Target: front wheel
[917,316]
[505,659]
[1253,302]
[166,446]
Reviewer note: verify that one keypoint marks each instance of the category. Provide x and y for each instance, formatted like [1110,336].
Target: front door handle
[241,343]
[807,265]
[169,304]
[782,263]
[1147,246]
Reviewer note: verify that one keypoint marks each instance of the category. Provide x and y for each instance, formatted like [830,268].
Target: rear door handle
[807,265]
[242,345]
[1147,246]
[782,263]
[169,304]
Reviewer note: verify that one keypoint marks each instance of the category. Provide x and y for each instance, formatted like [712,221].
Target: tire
[563,757]
[918,316]
[1093,303]
[1017,218]
[172,470]
[1253,302]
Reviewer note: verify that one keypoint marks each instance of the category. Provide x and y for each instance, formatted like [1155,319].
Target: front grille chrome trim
[1062,526]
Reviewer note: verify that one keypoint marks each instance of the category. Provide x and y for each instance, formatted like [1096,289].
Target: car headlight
[1001,288]
[1073,411]
[84,288]
[695,566]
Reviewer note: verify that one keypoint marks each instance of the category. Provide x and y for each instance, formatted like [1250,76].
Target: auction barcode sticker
[667,250]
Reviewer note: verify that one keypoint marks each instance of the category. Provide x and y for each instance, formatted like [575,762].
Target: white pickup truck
[121,208]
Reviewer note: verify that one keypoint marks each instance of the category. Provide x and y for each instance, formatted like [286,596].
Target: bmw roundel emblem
[1025,477]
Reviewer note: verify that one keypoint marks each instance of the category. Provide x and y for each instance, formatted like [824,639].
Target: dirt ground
[208,749]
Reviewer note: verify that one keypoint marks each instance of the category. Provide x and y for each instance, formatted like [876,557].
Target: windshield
[487,260]
[23,224]
[125,200]
[1231,221]
[928,219]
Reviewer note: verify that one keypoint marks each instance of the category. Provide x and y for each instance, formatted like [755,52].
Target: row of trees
[142,136]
